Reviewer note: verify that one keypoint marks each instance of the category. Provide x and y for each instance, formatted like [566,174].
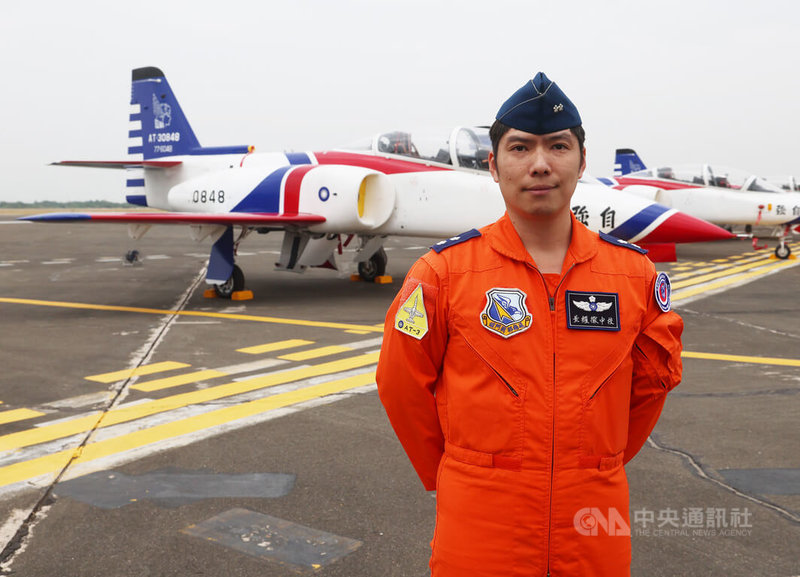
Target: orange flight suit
[522,426]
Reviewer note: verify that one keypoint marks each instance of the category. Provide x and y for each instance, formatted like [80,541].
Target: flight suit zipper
[597,390]
[551,301]
[491,368]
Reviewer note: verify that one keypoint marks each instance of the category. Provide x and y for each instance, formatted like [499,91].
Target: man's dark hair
[498,129]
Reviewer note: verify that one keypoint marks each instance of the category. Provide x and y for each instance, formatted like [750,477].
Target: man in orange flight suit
[525,363]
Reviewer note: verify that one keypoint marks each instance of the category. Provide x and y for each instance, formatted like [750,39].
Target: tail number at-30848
[203,196]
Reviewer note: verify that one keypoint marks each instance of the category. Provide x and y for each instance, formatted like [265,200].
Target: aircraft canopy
[464,147]
[708,175]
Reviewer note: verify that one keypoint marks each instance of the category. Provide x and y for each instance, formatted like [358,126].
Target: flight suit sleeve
[409,366]
[657,369]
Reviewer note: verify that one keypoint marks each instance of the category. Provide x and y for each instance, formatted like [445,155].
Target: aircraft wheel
[782,251]
[374,267]
[233,284]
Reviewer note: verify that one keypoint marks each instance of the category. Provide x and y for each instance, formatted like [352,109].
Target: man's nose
[539,162]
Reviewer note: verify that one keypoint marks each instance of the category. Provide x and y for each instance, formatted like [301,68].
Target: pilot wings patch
[411,317]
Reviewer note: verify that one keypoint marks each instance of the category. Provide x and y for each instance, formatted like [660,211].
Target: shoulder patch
[623,243]
[663,292]
[411,317]
[464,236]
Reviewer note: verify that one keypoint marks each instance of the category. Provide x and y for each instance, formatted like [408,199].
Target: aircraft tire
[233,284]
[782,251]
[370,269]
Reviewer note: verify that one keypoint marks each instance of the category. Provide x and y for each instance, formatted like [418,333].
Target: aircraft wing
[226,219]
[119,163]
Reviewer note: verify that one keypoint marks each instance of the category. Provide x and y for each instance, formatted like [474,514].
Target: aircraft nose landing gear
[782,251]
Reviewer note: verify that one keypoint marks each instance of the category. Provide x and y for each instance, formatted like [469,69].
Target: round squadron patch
[411,317]
[663,291]
[505,313]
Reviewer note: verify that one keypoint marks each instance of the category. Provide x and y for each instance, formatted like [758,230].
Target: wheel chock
[774,257]
[210,293]
[355,277]
[385,279]
[242,295]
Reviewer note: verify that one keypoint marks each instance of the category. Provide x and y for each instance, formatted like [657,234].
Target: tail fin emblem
[163,113]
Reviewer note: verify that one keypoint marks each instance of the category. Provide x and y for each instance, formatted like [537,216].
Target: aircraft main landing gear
[233,284]
[370,269]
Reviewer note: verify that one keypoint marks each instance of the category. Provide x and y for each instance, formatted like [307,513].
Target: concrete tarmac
[147,430]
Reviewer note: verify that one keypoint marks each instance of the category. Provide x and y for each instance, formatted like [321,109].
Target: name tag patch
[593,311]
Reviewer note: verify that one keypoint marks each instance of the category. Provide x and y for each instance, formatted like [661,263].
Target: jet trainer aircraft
[724,196]
[322,201]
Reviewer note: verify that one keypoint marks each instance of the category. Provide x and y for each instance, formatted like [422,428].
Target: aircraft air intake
[352,198]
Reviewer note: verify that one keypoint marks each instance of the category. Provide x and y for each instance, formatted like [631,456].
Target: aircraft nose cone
[681,227]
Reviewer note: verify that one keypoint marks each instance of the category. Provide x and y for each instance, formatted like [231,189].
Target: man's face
[537,173]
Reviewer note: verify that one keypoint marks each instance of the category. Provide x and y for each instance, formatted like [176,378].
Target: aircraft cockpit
[786,183]
[464,147]
[708,175]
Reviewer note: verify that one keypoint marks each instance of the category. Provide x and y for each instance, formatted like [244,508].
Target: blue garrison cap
[539,107]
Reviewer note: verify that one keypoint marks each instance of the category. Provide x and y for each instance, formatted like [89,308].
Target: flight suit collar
[503,238]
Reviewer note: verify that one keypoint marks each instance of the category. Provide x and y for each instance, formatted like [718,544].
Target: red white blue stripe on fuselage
[642,223]
[279,192]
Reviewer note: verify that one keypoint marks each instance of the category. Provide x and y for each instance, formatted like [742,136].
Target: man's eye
[560,146]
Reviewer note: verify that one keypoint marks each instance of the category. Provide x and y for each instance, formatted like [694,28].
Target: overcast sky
[684,81]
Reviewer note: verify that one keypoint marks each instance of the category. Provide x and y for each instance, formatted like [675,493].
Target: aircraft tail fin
[627,161]
[159,127]
[158,130]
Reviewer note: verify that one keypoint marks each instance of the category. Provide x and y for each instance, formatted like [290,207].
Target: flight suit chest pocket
[483,397]
[605,409]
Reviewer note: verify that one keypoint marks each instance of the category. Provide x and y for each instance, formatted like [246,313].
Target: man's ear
[493,167]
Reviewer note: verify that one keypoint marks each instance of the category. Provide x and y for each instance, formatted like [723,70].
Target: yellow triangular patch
[411,317]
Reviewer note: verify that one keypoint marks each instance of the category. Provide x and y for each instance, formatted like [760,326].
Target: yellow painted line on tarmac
[376,326]
[315,353]
[718,274]
[742,359]
[176,381]
[15,415]
[137,372]
[124,414]
[54,462]
[276,346]
[228,316]
[686,293]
